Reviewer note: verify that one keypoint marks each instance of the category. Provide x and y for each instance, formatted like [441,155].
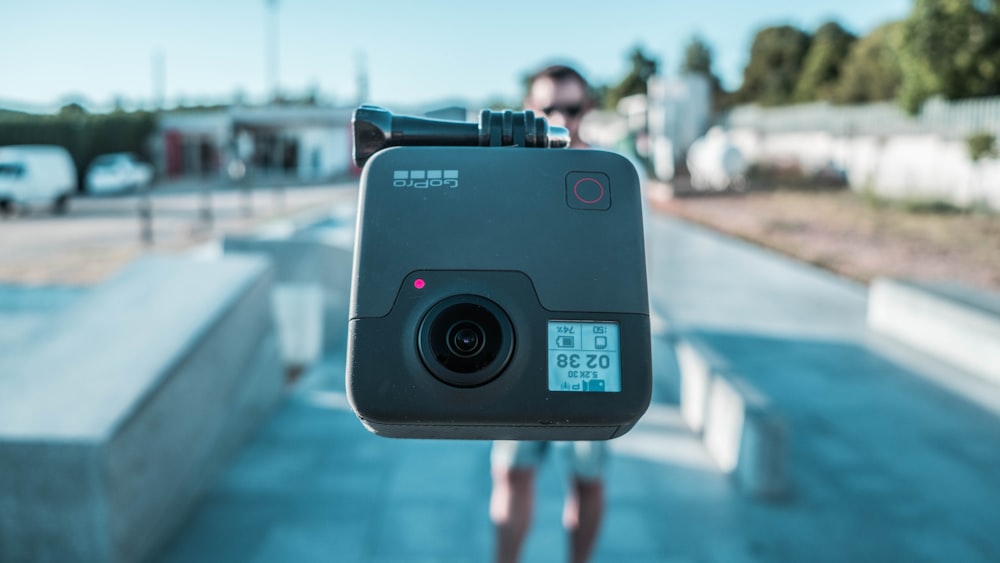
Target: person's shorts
[585,459]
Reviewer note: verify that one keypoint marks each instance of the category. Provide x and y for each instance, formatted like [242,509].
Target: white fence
[938,117]
[880,147]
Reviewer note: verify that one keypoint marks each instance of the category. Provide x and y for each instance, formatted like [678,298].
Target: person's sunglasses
[569,111]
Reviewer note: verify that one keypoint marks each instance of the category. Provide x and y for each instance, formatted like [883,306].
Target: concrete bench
[119,413]
[25,311]
[311,270]
[739,426]
[957,323]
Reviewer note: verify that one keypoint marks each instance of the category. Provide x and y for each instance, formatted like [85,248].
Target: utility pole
[159,79]
[272,48]
[158,76]
[361,62]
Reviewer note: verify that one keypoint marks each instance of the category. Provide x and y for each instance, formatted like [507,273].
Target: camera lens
[465,340]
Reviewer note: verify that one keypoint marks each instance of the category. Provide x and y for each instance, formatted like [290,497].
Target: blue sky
[416,52]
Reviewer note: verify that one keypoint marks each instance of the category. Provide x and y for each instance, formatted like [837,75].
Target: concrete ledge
[25,311]
[305,266]
[959,324]
[739,426]
[113,423]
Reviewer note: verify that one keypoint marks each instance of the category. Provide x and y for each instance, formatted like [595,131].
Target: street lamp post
[272,48]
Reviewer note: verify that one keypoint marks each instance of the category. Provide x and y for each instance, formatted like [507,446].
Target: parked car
[33,175]
[117,172]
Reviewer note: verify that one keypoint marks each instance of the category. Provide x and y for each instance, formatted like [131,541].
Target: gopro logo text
[425,178]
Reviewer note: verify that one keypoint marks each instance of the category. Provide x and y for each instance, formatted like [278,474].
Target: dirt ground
[854,237]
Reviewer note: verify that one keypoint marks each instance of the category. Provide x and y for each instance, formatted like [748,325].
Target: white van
[32,175]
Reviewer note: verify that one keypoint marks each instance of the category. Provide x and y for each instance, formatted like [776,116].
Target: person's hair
[558,73]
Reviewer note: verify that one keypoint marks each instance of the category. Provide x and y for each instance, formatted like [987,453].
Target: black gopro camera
[499,288]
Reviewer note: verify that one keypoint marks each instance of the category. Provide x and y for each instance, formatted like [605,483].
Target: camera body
[499,293]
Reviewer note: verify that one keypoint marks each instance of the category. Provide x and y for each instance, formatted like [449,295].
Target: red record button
[588,190]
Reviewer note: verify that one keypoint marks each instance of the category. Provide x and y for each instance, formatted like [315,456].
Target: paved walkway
[315,486]
[893,455]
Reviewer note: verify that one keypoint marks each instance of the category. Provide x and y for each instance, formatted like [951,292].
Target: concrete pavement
[893,454]
[316,486]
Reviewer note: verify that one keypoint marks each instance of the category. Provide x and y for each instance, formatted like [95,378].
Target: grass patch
[920,206]
[930,206]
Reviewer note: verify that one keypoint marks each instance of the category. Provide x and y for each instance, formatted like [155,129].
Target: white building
[878,147]
[678,111]
[294,142]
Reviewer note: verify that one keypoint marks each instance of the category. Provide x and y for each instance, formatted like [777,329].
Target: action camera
[499,287]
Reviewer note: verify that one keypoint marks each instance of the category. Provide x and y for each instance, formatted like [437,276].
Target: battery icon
[564,341]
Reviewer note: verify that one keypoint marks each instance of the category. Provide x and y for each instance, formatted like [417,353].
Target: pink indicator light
[418,283]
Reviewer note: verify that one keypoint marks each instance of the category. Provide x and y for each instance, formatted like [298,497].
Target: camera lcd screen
[584,356]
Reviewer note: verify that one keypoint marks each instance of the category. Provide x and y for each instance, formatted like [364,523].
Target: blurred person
[562,95]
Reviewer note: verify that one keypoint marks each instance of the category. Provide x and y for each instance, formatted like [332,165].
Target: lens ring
[465,340]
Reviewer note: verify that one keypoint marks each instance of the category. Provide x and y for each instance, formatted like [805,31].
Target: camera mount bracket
[376,128]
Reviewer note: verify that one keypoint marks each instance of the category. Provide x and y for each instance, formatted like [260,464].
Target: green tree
[981,145]
[600,92]
[697,57]
[642,69]
[776,58]
[871,72]
[698,60]
[950,48]
[84,135]
[72,109]
[822,66]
